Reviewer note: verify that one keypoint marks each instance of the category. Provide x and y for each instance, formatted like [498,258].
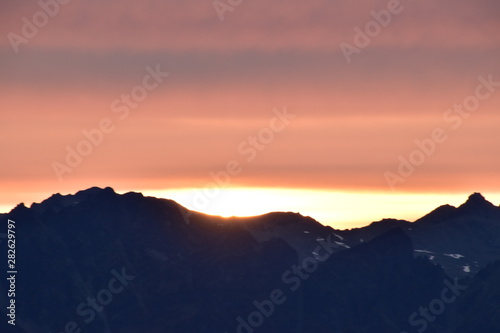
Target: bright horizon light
[338,209]
[341,210]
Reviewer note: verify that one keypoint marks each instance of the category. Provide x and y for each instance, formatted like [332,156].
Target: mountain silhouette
[98,261]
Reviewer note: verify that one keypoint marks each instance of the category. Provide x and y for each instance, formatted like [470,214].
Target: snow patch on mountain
[423,251]
[454,255]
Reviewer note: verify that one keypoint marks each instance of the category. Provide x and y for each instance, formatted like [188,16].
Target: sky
[345,111]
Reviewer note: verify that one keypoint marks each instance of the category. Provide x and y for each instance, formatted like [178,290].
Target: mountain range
[98,261]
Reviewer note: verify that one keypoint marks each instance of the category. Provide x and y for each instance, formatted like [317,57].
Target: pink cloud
[260,25]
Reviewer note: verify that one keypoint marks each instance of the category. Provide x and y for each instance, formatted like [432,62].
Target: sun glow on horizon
[341,210]
[338,209]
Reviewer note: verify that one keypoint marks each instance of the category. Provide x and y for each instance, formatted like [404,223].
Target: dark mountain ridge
[97,261]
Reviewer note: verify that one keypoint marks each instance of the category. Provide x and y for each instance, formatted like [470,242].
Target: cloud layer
[354,120]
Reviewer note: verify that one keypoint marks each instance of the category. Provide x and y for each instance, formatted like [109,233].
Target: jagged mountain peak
[476,204]
[477,200]
[57,201]
[476,196]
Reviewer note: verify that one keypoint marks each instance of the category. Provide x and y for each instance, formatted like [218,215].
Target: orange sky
[353,121]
